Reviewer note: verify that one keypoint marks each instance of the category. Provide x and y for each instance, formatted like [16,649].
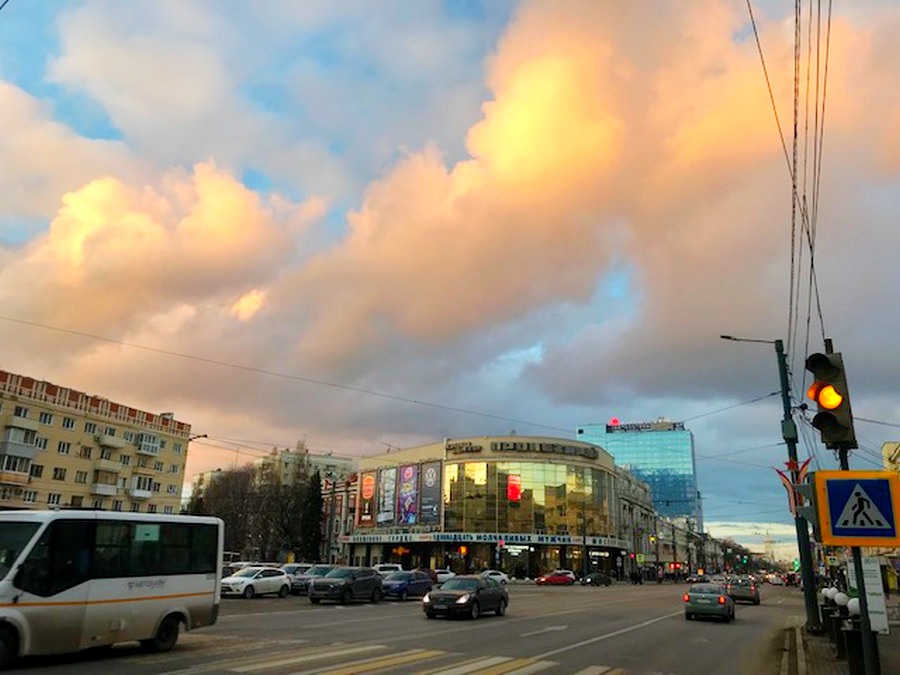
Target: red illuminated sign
[514,488]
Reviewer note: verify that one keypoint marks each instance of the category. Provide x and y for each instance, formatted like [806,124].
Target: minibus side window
[61,559]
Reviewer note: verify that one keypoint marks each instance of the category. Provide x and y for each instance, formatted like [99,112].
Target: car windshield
[247,572]
[706,589]
[341,573]
[318,571]
[460,585]
[398,576]
[14,536]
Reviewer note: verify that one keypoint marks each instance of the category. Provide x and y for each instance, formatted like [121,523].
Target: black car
[468,596]
[300,583]
[345,584]
[596,579]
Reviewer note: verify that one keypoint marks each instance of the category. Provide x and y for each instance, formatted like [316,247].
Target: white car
[252,581]
[496,575]
[387,568]
[443,575]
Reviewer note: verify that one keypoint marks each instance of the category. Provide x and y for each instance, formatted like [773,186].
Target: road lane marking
[472,666]
[518,667]
[544,630]
[535,667]
[607,636]
[379,664]
[594,670]
[293,660]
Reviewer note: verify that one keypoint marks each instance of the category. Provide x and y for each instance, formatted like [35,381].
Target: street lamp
[329,524]
[789,433]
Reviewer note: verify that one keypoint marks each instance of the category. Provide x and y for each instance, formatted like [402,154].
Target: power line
[4,4]
[736,405]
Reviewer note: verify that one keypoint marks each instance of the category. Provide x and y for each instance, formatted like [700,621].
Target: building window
[105,453]
[162,443]
[59,473]
[98,504]
[136,507]
[77,501]
[125,460]
[40,443]
[85,452]
[172,489]
[156,486]
[20,411]
[90,428]
[159,466]
[176,448]
[36,471]
[151,508]
[143,483]
[14,463]
[81,476]
[6,493]
[54,499]
[68,423]
[29,497]
[110,431]
[64,447]
[45,418]
[168,510]
[129,436]
[117,504]
[173,468]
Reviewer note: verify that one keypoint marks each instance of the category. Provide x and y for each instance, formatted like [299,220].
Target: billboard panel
[387,496]
[367,499]
[408,495]
[430,507]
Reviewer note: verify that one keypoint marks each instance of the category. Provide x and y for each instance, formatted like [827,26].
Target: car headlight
[426,598]
[463,599]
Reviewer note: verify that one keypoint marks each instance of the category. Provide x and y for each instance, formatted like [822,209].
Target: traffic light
[829,390]
[463,550]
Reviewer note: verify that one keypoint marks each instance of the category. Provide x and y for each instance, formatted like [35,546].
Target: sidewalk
[820,656]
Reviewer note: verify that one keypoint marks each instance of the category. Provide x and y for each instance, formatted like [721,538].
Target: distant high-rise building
[661,453]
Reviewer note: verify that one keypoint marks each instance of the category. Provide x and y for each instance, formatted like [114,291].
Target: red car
[556,578]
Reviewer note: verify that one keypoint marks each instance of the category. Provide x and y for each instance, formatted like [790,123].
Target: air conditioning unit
[18,490]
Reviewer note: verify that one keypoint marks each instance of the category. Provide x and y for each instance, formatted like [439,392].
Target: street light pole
[789,433]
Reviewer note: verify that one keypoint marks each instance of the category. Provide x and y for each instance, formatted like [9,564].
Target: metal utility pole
[789,433]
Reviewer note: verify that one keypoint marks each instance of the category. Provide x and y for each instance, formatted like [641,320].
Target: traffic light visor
[825,395]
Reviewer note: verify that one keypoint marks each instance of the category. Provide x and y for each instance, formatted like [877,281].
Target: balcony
[14,478]
[18,449]
[148,449]
[107,465]
[107,441]
[21,423]
[137,493]
[104,489]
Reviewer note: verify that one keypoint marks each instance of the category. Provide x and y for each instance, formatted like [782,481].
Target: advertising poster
[367,499]
[408,495]
[387,496]
[430,506]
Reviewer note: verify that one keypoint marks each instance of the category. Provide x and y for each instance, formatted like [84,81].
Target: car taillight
[752,589]
[686,598]
[721,599]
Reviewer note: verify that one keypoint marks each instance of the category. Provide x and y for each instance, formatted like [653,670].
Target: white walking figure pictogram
[860,512]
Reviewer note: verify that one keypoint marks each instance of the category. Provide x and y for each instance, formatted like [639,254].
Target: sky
[361,226]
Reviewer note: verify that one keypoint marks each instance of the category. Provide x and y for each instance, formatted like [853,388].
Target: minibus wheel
[8,647]
[166,635]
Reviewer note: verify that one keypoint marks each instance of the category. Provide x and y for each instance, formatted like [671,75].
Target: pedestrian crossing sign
[858,508]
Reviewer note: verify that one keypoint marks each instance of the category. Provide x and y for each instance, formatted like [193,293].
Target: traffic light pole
[789,433]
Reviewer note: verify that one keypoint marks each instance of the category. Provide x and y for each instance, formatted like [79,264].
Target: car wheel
[249,592]
[430,615]
[376,595]
[283,592]
[403,595]
[8,647]
[346,596]
[166,636]
[501,608]
[688,616]
[315,601]
[293,592]
[475,612]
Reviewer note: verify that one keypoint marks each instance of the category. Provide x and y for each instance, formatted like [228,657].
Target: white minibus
[72,580]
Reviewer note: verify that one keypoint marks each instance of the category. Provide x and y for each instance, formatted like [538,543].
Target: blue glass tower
[660,453]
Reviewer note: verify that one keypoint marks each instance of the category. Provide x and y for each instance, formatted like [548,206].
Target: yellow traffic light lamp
[834,418]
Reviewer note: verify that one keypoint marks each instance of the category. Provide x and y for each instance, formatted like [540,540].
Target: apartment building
[64,448]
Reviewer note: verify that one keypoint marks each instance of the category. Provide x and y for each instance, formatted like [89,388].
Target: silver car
[708,600]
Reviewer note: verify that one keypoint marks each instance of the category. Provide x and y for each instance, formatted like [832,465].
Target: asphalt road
[591,631]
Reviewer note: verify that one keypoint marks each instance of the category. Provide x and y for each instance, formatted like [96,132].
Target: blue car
[402,585]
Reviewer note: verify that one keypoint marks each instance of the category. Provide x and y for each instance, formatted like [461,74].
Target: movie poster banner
[387,496]
[408,495]
[367,499]
[430,505]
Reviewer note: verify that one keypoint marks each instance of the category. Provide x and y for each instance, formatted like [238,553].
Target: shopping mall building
[523,504]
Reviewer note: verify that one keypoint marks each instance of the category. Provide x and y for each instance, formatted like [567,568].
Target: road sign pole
[871,665]
[789,433]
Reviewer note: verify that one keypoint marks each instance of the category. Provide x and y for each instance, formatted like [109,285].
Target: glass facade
[527,497]
[659,453]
